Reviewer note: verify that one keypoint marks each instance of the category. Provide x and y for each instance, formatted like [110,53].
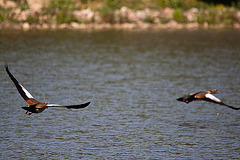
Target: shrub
[228,17]
[23,5]
[123,19]
[32,19]
[107,15]
[178,16]
[211,17]
[62,5]
[107,12]
[60,11]
[65,17]
[1,17]
[148,19]
[175,3]
[112,4]
[200,18]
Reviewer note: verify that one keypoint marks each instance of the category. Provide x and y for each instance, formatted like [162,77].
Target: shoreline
[123,18]
[125,26]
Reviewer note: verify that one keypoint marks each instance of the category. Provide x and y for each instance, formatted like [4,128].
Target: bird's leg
[27,113]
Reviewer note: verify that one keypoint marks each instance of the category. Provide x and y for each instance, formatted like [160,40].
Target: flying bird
[34,105]
[206,96]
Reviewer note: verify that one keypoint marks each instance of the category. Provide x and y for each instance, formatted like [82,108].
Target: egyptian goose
[206,96]
[34,105]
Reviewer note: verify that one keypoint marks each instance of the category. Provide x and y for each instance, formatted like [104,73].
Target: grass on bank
[61,11]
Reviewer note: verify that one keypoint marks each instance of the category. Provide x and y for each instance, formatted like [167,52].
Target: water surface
[132,79]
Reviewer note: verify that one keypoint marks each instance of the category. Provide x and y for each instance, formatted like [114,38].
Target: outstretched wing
[71,106]
[23,91]
[213,99]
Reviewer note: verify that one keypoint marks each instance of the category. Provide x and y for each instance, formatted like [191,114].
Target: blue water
[132,79]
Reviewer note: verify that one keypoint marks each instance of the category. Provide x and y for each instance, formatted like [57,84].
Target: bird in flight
[206,96]
[34,105]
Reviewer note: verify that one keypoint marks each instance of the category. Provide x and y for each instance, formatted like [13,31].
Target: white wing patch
[212,97]
[50,105]
[26,92]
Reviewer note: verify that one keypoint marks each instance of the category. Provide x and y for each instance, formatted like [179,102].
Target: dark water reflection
[132,79]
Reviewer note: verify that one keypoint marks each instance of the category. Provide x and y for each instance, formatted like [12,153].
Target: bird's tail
[184,99]
[180,99]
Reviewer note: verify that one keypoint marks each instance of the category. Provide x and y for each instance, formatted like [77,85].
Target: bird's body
[206,96]
[197,96]
[37,107]
[34,105]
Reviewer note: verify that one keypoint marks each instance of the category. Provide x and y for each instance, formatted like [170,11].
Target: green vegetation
[149,19]
[5,15]
[32,19]
[217,16]
[136,4]
[62,11]
[68,5]
[171,3]
[200,18]
[107,12]
[178,16]
[1,17]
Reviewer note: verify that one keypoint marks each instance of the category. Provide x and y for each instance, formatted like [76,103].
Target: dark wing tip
[221,103]
[235,108]
[78,106]
[85,105]
[19,87]
[6,67]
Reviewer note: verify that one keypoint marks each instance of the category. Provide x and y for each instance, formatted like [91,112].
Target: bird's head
[214,91]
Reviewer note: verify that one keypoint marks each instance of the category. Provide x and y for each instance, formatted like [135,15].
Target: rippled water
[132,79]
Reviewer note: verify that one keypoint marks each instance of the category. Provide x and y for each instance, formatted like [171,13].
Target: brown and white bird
[34,105]
[206,96]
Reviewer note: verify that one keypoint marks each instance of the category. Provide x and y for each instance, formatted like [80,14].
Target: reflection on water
[132,79]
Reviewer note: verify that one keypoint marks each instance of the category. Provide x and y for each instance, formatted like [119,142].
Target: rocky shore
[73,25]
[123,18]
